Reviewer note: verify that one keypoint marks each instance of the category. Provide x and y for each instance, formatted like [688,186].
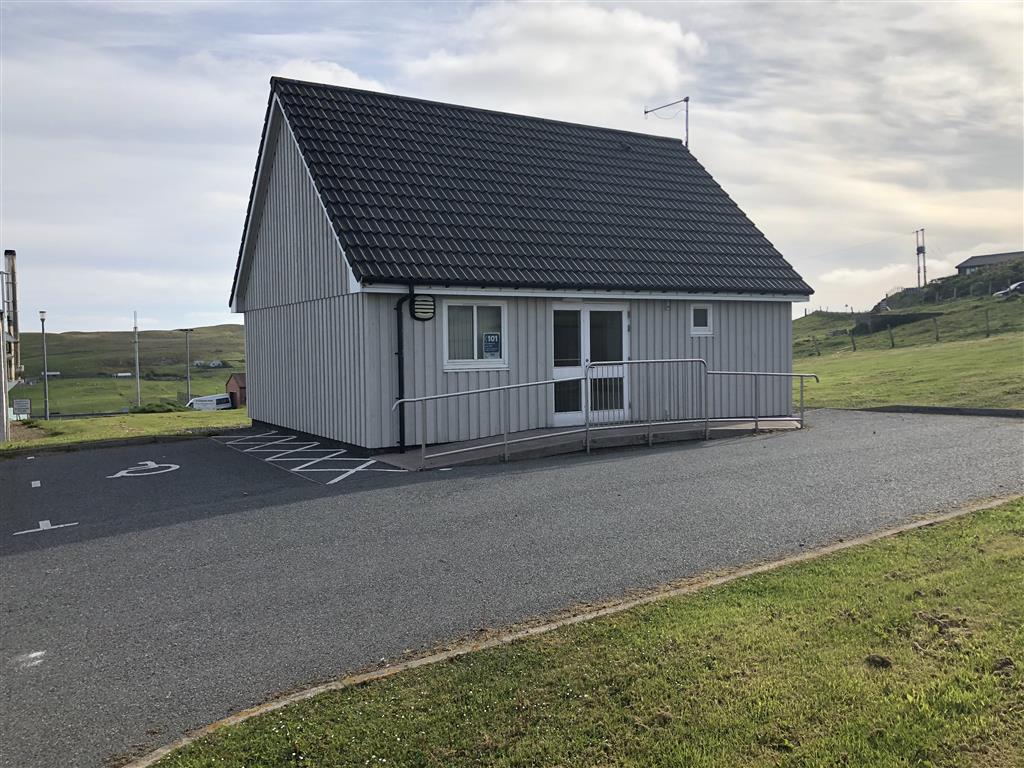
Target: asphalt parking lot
[182,595]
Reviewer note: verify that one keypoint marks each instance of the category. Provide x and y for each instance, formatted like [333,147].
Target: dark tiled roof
[430,193]
[985,259]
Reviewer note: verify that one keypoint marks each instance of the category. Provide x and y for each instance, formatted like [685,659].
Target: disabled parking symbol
[145,468]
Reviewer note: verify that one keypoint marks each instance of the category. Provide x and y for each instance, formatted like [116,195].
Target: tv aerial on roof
[685,101]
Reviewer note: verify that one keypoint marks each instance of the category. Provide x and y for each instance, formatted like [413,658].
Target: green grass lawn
[108,395]
[957,321]
[768,670]
[980,373]
[89,353]
[66,432]
[87,361]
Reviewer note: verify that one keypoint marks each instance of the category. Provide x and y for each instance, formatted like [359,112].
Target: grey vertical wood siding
[747,336]
[305,369]
[303,330]
[295,255]
[463,418]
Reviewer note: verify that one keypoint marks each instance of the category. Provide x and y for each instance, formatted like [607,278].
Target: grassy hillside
[978,359]
[88,360]
[980,373]
[911,326]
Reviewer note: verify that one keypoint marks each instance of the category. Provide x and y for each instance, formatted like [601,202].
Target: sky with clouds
[129,132]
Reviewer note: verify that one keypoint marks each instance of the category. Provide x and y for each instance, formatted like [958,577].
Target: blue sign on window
[492,346]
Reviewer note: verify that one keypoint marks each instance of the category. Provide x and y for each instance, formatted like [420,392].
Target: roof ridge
[275,79]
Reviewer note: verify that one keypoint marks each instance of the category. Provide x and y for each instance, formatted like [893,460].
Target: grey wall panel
[747,336]
[295,255]
[305,367]
[463,418]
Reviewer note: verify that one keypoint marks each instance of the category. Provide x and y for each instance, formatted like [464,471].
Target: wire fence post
[935,323]
[988,330]
[892,341]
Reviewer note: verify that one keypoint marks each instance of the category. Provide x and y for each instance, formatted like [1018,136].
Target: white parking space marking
[44,525]
[26,660]
[303,457]
[145,468]
[350,472]
[263,446]
[36,483]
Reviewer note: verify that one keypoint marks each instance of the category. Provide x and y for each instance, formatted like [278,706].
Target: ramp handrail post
[585,398]
[507,417]
[756,425]
[801,402]
[423,434]
[650,408]
[707,415]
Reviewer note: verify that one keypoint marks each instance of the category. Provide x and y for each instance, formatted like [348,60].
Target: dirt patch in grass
[25,434]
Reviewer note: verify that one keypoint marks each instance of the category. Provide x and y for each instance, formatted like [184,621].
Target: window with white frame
[475,335]
[700,320]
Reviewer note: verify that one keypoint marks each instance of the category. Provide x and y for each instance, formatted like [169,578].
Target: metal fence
[619,394]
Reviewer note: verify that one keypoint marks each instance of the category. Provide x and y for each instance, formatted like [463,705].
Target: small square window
[700,320]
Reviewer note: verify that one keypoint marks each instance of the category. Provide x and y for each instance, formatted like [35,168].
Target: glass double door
[586,334]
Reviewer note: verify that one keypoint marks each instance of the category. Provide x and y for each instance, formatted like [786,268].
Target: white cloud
[130,130]
[573,61]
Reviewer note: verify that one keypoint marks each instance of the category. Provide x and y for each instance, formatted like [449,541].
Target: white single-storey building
[399,248]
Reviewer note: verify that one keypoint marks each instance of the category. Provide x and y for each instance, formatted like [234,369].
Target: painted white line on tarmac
[44,525]
[352,471]
[301,447]
[36,483]
[242,440]
[311,462]
[26,660]
[262,446]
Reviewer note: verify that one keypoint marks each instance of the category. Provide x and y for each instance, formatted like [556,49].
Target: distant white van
[210,403]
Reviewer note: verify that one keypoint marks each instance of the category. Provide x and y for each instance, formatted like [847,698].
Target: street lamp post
[188,363]
[46,368]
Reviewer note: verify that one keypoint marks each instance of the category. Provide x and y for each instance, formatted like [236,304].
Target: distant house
[51,374]
[984,261]
[198,363]
[235,388]
[215,364]
[122,375]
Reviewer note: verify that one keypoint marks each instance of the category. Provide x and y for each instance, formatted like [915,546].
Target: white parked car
[1014,290]
[220,402]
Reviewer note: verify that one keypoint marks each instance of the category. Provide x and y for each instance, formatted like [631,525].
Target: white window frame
[700,330]
[476,365]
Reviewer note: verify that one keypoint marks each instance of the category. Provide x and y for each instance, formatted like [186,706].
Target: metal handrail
[650,433]
[507,412]
[506,419]
[756,374]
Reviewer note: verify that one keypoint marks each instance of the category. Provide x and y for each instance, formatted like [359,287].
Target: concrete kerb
[574,616]
[121,442]
[944,410]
